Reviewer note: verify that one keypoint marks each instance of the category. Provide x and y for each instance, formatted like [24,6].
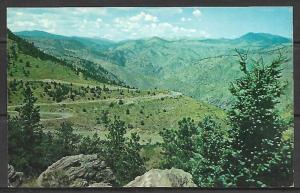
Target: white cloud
[143,16]
[23,24]
[91,22]
[184,19]
[197,13]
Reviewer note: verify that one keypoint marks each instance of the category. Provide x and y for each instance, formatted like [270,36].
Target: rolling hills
[201,69]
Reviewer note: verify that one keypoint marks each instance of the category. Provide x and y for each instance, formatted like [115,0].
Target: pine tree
[209,158]
[256,127]
[66,141]
[179,145]
[91,145]
[25,134]
[122,154]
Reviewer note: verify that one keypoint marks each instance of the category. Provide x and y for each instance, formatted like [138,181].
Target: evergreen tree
[179,145]
[209,158]
[66,140]
[256,127]
[25,136]
[91,145]
[122,154]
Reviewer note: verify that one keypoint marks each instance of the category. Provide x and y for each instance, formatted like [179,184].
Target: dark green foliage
[28,64]
[199,150]
[30,149]
[179,145]
[121,102]
[111,104]
[91,145]
[260,157]
[122,154]
[66,140]
[60,91]
[209,158]
[25,136]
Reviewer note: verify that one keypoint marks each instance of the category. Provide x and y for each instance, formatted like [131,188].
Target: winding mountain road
[127,100]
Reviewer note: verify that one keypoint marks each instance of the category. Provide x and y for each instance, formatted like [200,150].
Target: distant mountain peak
[156,39]
[264,38]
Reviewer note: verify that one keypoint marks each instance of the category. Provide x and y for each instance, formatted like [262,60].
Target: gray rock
[15,179]
[163,178]
[76,171]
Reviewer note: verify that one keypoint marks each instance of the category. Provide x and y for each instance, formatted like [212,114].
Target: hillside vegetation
[197,68]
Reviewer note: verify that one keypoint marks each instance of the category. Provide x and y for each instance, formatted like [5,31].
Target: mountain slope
[202,69]
[60,46]
[86,68]
[42,65]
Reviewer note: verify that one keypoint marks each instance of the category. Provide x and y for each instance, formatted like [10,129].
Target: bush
[28,64]
[121,102]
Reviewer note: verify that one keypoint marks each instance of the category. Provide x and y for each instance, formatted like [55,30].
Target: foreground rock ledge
[77,171]
[15,179]
[163,178]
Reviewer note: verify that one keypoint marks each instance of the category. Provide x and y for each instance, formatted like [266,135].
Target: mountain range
[200,68]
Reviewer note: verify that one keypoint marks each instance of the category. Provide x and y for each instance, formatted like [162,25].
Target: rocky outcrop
[15,179]
[77,171]
[163,178]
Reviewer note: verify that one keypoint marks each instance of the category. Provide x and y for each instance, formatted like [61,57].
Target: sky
[140,22]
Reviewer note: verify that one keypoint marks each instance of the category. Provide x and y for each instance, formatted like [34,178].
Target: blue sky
[134,23]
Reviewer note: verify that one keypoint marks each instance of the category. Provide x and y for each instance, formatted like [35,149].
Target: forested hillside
[187,65]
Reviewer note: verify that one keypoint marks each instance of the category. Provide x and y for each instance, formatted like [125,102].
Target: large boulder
[15,179]
[163,178]
[77,171]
